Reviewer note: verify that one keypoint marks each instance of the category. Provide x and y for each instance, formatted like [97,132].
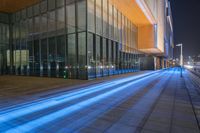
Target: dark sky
[186,20]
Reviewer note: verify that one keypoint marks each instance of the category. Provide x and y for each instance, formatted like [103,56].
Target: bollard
[65,74]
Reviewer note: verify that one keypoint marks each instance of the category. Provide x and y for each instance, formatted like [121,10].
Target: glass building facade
[79,39]
[4,43]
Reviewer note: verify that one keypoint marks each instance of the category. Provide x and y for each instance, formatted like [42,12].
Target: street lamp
[181,56]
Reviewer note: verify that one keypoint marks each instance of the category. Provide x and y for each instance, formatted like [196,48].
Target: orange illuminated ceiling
[136,11]
[10,6]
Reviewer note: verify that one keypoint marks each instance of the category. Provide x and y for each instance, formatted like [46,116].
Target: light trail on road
[105,90]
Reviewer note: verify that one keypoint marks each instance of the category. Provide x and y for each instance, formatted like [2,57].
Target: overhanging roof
[10,6]
[136,10]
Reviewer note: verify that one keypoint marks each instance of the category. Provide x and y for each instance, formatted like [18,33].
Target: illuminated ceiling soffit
[10,6]
[136,10]
[152,51]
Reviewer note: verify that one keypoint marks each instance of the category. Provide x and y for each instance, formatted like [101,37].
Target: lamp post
[181,57]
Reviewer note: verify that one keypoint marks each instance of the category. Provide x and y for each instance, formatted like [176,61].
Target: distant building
[84,39]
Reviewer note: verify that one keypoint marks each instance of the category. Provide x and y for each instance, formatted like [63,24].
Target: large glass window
[37,57]
[110,52]
[30,11]
[82,55]
[90,53]
[115,25]
[36,9]
[30,27]
[98,17]
[104,48]
[52,21]
[51,4]
[105,18]
[91,16]
[98,56]
[82,49]
[110,21]
[72,56]
[60,18]
[71,18]
[36,25]
[81,18]
[43,6]
[43,23]
[44,57]
[31,57]
[52,56]
[61,49]
[60,3]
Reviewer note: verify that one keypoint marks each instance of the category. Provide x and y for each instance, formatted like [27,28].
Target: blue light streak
[24,110]
[69,110]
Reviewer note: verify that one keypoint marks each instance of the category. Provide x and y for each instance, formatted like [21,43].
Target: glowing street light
[181,56]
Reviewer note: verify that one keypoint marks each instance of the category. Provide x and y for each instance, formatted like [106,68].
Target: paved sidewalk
[162,102]
[173,112]
[19,89]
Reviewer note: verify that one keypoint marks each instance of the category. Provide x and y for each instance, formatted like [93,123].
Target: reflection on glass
[81,9]
[52,21]
[82,55]
[60,18]
[91,17]
[72,55]
[71,23]
[98,17]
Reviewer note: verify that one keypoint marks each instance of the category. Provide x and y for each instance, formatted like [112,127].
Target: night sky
[186,20]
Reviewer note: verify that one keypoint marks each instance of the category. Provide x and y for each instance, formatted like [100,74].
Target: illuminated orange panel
[138,12]
[146,37]
[147,40]
[10,6]
[131,9]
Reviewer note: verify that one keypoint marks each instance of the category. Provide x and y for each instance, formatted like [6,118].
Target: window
[44,56]
[82,55]
[82,49]
[43,6]
[43,23]
[98,48]
[24,14]
[52,49]
[30,27]
[60,3]
[120,27]
[30,12]
[44,50]
[115,25]
[110,21]
[37,25]
[91,17]
[51,4]
[71,21]
[105,18]
[61,18]
[51,21]
[36,51]
[90,49]
[72,56]
[36,9]
[81,9]
[60,49]
[98,17]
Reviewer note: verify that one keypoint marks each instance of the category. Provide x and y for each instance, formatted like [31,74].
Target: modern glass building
[79,39]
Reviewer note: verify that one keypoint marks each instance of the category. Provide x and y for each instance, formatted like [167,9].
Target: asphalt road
[153,102]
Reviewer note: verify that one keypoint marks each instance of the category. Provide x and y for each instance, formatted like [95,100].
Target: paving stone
[157,126]
[121,128]
[179,129]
